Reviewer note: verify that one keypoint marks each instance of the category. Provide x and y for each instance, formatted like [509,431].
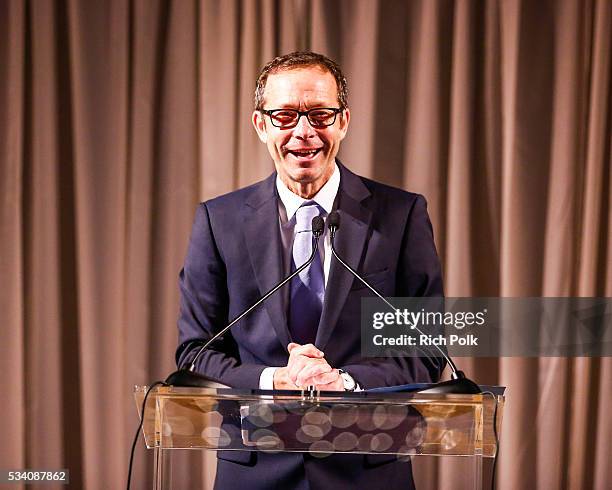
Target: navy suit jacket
[235,256]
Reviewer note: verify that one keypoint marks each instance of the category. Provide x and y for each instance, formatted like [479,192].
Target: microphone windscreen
[333,220]
[317,225]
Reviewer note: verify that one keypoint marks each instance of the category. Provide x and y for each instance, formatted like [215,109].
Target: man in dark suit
[244,242]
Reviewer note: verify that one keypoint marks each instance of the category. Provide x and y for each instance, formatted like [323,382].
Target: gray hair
[301,59]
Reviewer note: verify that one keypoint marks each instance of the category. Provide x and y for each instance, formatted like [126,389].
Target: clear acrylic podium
[320,423]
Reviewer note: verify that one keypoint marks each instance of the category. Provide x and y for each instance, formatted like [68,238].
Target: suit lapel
[350,242]
[263,242]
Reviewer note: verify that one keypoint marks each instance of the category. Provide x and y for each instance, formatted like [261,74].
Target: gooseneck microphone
[459,383]
[189,377]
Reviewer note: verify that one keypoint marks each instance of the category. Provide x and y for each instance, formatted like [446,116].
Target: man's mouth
[305,153]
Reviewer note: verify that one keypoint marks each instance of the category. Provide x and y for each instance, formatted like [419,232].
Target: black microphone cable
[495,456]
[135,441]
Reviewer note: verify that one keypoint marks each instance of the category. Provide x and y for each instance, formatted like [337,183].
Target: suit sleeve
[204,305]
[418,274]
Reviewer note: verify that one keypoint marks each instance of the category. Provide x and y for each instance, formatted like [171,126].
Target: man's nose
[303,129]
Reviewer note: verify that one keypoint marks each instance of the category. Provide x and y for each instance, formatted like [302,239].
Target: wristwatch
[347,380]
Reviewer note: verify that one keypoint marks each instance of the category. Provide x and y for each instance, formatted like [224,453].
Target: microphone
[189,377]
[459,384]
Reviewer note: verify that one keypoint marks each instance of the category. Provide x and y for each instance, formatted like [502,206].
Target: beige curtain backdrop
[117,117]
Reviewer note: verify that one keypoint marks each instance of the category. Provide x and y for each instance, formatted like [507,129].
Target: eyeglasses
[320,117]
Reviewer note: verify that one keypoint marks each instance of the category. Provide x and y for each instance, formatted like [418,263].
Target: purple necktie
[308,288]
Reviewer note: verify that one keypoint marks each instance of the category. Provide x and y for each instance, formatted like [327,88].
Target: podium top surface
[404,424]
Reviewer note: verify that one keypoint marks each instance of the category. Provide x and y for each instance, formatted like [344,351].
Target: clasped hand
[307,366]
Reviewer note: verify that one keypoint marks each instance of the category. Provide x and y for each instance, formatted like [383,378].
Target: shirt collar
[324,198]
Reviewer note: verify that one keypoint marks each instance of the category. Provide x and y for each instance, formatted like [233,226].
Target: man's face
[303,155]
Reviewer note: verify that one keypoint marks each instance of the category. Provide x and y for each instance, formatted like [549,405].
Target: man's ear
[345,118]
[260,126]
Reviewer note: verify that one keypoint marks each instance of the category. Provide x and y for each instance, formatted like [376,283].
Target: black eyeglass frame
[335,110]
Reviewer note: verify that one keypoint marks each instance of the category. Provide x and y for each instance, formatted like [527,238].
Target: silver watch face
[349,382]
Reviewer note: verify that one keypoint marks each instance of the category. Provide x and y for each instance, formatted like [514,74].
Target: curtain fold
[12,339]
[118,117]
